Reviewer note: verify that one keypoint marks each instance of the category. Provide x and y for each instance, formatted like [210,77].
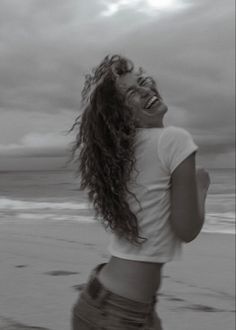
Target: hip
[132,279]
[101,309]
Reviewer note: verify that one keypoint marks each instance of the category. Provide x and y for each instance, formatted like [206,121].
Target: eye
[146,81]
[141,81]
[130,92]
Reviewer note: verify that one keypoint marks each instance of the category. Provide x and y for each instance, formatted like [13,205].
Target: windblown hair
[105,142]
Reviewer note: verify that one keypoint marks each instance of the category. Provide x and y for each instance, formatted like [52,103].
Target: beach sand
[43,265]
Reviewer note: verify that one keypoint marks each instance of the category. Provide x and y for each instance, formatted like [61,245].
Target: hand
[203,178]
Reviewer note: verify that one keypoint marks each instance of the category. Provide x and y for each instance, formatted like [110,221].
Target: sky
[46,48]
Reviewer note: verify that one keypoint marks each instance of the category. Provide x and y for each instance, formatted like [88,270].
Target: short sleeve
[175,145]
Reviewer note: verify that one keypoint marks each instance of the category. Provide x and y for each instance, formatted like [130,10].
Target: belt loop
[153,303]
[102,298]
[97,292]
[95,272]
[95,289]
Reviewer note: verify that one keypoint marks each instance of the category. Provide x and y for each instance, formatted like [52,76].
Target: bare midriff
[136,280]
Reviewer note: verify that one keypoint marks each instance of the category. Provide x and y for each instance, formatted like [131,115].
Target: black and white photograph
[117,164]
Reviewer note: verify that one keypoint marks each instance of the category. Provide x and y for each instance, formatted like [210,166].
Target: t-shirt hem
[162,259]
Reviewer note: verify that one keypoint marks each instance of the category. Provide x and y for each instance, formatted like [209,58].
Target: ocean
[27,196]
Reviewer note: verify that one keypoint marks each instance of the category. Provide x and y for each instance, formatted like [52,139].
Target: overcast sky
[46,47]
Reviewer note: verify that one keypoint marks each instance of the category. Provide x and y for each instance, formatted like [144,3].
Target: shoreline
[44,264]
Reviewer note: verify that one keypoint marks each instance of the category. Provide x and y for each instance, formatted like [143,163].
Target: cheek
[137,100]
[134,101]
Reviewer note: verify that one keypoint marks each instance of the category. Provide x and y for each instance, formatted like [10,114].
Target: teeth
[150,102]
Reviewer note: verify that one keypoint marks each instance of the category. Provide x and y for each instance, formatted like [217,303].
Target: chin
[162,109]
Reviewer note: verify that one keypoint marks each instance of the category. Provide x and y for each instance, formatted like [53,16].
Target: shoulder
[173,134]
[175,145]
[174,131]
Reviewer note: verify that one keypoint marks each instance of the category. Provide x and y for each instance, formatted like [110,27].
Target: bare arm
[203,182]
[188,195]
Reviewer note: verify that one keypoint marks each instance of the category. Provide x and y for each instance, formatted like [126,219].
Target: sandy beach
[44,264]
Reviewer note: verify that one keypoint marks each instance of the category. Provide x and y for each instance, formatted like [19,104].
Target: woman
[146,191]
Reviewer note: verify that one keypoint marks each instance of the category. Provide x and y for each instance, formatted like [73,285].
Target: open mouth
[151,102]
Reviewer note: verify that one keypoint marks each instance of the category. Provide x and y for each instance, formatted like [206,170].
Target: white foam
[216,230]
[228,216]
[54,217]
[220,223]
[229,195]
[12,204]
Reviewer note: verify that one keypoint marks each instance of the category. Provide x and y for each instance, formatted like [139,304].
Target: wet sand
[43,266]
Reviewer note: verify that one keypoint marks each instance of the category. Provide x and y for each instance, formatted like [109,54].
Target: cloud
[40,145]
[149,7]
[192,57]
[16,124]
[47,47]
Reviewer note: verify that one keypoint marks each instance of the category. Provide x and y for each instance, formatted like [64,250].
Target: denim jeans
[97,308]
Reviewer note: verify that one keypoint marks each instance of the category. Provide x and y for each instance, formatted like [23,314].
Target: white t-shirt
[158,152]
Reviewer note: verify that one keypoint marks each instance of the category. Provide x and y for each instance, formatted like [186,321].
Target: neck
[150,125]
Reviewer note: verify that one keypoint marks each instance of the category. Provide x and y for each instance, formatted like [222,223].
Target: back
[158,152]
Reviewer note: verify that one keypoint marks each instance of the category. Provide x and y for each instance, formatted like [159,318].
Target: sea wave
[220,223]
[12,204]
[55,217]
[27,211]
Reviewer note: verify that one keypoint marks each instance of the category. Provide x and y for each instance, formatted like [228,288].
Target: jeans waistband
[99,294]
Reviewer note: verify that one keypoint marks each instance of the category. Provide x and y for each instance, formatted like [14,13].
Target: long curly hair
[105,145]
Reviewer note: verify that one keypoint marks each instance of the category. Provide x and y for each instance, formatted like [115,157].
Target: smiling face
[141,94]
